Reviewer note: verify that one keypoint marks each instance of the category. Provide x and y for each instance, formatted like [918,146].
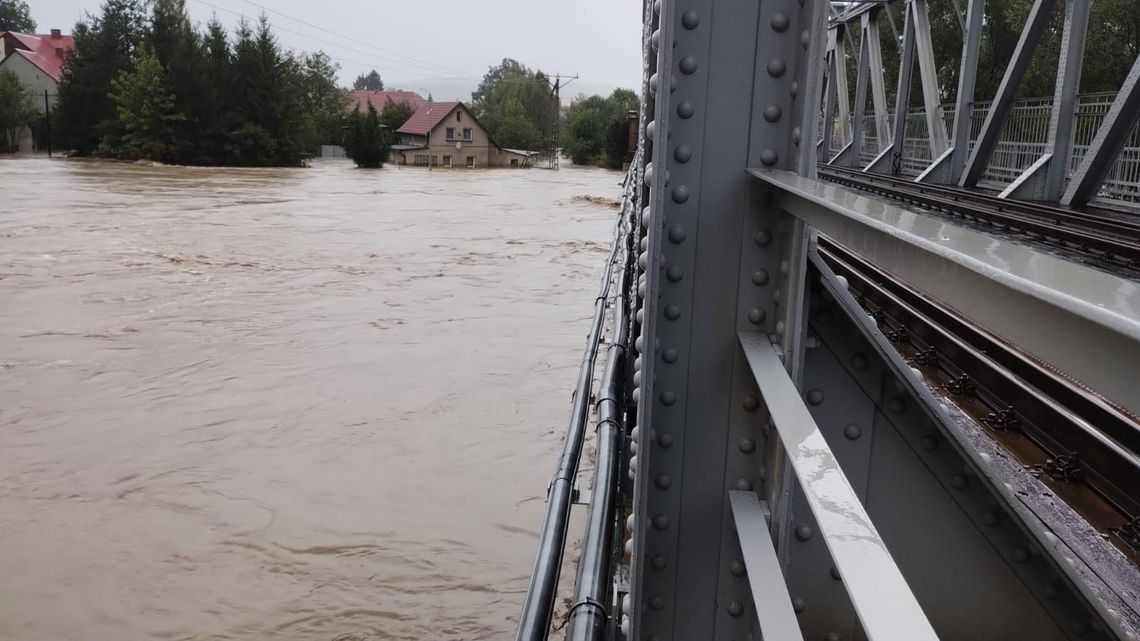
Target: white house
[37,60]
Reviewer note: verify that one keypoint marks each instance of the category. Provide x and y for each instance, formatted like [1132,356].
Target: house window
[467,134]
[459,116]
[514,162]
[434,160]
[420,160]
[451,133]
[447,161]
[471,162]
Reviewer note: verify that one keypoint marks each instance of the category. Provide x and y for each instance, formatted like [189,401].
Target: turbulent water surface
[293,404]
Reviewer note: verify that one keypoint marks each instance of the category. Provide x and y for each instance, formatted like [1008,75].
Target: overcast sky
[410,40]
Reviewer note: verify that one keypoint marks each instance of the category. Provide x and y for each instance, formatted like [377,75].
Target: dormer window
[459,116]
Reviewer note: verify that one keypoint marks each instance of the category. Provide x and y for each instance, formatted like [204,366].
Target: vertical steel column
[855,148]
[829,107]
[1045,179]
[1110,139]
[894,155]
[928,75]
[947,168]
[1035,25]
[842,91]
[878,87]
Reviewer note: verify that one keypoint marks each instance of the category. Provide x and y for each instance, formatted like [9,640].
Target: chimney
[55,34]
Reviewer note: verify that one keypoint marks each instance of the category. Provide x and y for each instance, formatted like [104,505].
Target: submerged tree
[395,114]
[147,110]
[366,141]
[596,130]
[17,110]
[515,104]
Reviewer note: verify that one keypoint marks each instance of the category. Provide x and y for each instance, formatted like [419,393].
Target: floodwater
[318,403]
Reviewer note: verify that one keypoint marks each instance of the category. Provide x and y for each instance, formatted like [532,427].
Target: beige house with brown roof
[446,134]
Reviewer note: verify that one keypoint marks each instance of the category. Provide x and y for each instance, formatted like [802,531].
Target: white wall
[33,78]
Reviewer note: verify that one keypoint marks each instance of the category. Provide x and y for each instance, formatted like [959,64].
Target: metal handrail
[538,606]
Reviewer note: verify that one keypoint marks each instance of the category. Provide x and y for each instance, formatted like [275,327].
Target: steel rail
[1059,416]
[1110,238]
[589,613]
[538,606]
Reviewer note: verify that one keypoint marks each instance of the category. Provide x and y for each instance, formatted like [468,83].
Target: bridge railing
[1023,140]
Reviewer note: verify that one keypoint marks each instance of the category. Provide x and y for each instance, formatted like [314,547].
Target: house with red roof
[447,134]
[37,60]
[380,99]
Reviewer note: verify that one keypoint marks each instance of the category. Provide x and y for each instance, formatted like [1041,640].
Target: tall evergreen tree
[368,81]
[367,141]
[148,110]
[16,16]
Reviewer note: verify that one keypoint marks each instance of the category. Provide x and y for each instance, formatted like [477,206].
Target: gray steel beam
[928,75]
[1106,145]
[842,90]
[769,592]
[1031,298]
[947,169]
[829,108]
[1035,25]
[886,606]
[878,86]
[902,97]
[1045,180]
[861,81]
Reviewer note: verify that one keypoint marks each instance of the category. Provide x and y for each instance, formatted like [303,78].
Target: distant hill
[447,89]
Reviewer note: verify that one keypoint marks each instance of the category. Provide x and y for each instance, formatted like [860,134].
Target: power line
[327,42]
[351,39]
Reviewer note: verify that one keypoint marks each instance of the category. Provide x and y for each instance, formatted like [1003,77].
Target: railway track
[1111,239]
[1083,447]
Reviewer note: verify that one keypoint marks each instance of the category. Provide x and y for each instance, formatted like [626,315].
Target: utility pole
[555,92]
[47,121]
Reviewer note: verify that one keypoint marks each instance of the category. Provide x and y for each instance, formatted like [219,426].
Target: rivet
[780,22]
[660,522]
[685,109]
[665,440]
[796,135]
[645,217]
[662,481]
[644,244]
[735,609]
[668,398]
[657,603]
[815,396]
[649,172]
[805,38]
[690,20]
[852,431]
[990,518]
[629,545]
[929,443]
[674,274]
[669,355]
[768,157]
[760,277]
[683,153]
[762,473]
[680,194]
[655,40]
[688,65]
[859,362]
[658,562]
[750,403]
[651,130]
[763,238]
[803,532]
[1021,555]
[677,234]
[776,67]
[795,89]
[672,312]
[798,605]
[757,316]
[772,112]
[737,568]
[784,267]
[959,481]
[653,85]
[640,315]
[657,6]
[744,485]
[747,445]
[637,375]
[835,573]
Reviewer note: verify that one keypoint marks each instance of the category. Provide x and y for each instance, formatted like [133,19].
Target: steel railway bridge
[871,371]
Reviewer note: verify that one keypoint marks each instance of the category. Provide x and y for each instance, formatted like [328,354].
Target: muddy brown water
[283,404]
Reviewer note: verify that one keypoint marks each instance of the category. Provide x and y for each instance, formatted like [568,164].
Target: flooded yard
[317,403]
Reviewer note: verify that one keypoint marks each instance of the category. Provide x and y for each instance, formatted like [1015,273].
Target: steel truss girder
[1106,145]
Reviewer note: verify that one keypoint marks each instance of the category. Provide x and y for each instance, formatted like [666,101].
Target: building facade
[447,135]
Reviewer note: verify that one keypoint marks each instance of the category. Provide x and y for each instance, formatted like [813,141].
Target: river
[316,403]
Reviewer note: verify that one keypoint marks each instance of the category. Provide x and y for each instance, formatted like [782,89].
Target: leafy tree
[367,142]
[368,81]
[147,110]
[104,46]
[322,101]
[17,110]
[15,16]
[597,129]
[395,114]
[509,92]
